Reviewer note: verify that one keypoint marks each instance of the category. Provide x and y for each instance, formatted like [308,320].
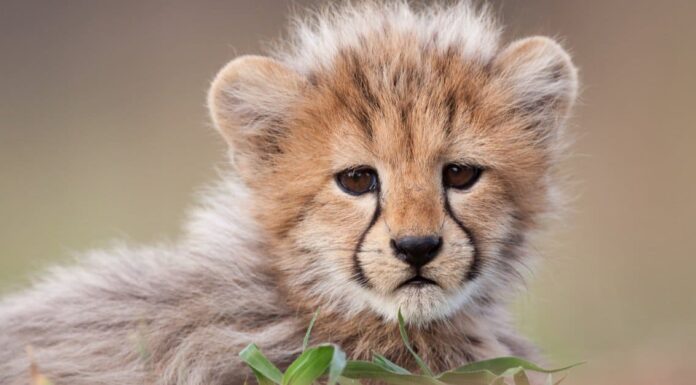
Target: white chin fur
[418,305]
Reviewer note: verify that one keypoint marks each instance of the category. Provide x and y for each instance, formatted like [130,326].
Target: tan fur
[406,94]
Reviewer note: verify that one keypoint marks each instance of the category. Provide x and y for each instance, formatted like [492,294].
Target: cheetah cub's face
[397,174]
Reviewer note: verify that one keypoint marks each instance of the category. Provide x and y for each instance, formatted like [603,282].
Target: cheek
[316,262]
[487,212]
[331,228]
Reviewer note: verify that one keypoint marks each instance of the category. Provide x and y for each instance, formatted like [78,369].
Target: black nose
[416,251]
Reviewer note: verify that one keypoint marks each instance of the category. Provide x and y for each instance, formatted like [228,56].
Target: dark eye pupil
[357,181]
[459,176]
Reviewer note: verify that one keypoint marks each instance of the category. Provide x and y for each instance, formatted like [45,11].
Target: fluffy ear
[249,102]
[540,82]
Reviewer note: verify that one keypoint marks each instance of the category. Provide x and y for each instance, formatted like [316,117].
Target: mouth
[417,281]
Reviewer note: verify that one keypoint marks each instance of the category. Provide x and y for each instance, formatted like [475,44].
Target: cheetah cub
[387,157]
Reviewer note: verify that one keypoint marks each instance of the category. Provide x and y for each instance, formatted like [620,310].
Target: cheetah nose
[416,251]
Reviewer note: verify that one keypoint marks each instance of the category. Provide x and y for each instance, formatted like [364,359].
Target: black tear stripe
[358,271]
[475,267]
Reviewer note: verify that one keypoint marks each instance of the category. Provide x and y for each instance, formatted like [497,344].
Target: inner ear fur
[540,82]
[249,100]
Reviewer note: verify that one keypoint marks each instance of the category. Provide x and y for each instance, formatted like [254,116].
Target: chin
[419,304]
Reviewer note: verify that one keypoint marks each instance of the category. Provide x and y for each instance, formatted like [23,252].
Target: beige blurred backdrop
[104,135]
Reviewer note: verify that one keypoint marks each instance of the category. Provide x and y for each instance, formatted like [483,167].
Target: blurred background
[104,135]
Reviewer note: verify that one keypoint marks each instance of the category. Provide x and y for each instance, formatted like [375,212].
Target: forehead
[398,99]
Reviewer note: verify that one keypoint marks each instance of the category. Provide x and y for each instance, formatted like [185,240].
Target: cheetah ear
[540,82]
[249,100]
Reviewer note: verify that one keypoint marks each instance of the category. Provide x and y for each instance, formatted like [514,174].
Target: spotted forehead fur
[392,60]
[407,98]
[390,66]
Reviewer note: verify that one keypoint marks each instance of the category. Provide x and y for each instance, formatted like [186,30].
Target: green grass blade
[264,370]
[347,381]
[305,341]
[388,365]
[369,370]
[499,365]
[261,379]
[483,377]
[404,336]
[309,366]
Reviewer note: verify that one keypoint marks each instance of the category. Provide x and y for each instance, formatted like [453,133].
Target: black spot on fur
[363,84]
[313,79]
[396,78]
[364,102]
[358,112]
[407,129]
[404,112]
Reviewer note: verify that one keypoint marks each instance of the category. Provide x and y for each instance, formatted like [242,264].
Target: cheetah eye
[357,181]
[460,176]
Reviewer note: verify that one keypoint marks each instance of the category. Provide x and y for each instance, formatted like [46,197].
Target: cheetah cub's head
[397,158]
